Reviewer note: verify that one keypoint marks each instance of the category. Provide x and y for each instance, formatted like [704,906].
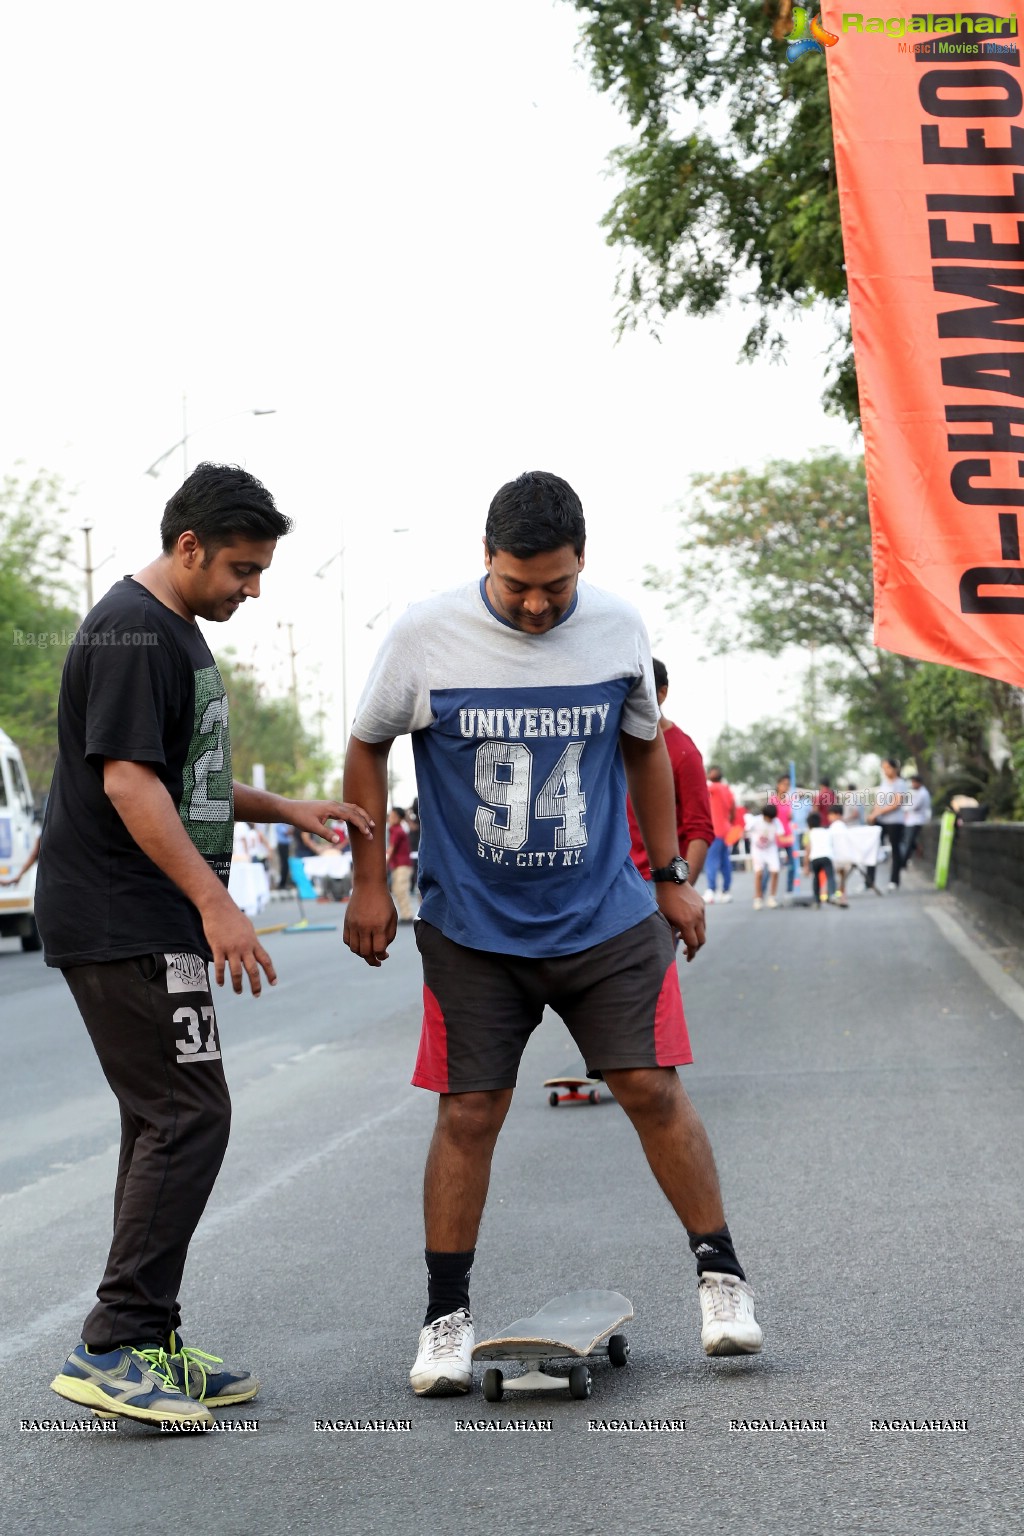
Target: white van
[19,828]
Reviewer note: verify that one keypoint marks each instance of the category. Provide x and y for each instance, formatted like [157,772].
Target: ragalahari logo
[807,34]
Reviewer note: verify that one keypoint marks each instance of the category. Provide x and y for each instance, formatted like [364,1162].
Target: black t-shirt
[140,685]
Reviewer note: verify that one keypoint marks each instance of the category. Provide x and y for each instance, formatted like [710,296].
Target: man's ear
[487,553]
[189,549]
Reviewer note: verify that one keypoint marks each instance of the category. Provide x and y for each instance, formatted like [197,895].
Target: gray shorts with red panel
[619,1000]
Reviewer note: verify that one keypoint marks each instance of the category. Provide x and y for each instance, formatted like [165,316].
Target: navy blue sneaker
[201,1376]
[128,1383]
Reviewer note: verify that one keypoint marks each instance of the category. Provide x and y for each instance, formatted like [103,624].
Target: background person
[918,815]
[723,815]
[693,812]
[818,858]
[399,863]
[765,832]
[785,830]
[891,800]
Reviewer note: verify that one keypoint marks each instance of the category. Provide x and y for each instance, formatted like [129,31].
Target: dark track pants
[152,1023]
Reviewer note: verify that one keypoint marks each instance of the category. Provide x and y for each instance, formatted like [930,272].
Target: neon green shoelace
[200,1359]
[159,1363]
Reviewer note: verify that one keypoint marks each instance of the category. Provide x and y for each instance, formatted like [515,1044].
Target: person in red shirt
[825,800]
[693,813]
[723,816]
[400,863]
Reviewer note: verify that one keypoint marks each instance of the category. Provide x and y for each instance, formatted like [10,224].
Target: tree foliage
[38,614]
[758,756]
[728,186]
[269,731]
[782,558]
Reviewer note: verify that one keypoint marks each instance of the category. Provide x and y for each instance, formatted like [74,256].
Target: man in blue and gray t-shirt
[531,703]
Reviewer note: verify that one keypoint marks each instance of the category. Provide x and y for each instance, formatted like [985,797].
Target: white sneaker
[729,1326]
[444,1360]
[709,898]
[725,896]
[772,902]
[758,903]
[893,886]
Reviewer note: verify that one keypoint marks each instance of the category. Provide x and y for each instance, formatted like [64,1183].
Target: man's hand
[233,941]
[371,922]
[684,908]
[313,816]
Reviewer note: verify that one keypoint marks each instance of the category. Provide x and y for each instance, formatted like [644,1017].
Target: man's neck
[156,579]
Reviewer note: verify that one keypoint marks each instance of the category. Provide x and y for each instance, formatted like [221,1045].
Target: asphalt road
[863,1088]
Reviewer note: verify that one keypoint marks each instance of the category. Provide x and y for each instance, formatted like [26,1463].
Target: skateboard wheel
[494,1388]
[579,1381]
[618,1349]
[553,1099]
[593,1095]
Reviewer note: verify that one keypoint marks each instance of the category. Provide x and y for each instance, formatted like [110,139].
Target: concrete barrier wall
[986,871]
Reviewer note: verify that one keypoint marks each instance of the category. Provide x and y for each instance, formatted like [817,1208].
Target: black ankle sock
[714,1251]
[447,1282]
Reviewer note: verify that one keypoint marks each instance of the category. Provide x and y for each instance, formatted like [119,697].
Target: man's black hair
[769,811]
[825,783]
[220,503]
[533,515]
[813,819]
[660,675]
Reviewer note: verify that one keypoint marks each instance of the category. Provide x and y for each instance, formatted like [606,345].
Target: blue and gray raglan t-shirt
[524,844]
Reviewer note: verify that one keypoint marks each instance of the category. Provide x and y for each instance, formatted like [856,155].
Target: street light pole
[88,567]
[154,468]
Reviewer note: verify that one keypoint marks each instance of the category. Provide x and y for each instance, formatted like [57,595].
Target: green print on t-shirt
[207,802]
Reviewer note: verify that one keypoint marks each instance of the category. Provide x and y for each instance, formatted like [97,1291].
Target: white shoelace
[448,1333]
[727,1301]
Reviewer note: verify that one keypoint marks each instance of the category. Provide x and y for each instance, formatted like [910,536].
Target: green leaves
[38,615]
[781,557]
[730,180]
[269,731]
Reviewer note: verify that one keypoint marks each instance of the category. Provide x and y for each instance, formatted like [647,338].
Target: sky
[383,226]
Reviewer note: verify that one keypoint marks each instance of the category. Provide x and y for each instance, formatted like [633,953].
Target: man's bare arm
[149,813]
[308,815]
[371,921]
[695,852]
[652,791]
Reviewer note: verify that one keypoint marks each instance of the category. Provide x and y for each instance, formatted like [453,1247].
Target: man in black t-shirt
[132,905]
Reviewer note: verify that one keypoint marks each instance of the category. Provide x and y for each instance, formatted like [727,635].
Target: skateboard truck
[579,1090]
[570,1328]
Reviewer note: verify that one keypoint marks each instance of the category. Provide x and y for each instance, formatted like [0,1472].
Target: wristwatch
[678,872]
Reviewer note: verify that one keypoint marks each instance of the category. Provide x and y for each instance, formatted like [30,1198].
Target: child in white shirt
[818,858]
[764,833]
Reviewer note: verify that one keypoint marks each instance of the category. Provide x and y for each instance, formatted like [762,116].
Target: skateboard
[571,1327]
[575,1094]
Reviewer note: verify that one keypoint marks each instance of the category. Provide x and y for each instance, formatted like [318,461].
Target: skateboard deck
[570,1327]
[580,1090]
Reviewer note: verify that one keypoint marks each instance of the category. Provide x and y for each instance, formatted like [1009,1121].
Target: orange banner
[927,116]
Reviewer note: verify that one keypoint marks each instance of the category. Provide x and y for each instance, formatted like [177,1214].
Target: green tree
[728,187]
[782,557]
[966,720]
[269,731]
[38,615]
[758,756]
